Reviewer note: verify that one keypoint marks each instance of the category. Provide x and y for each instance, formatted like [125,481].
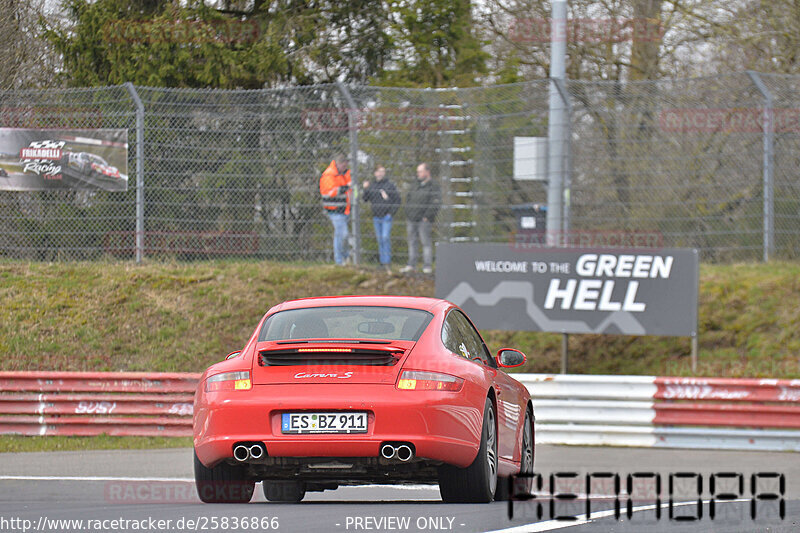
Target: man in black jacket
[385,200]
[422,204]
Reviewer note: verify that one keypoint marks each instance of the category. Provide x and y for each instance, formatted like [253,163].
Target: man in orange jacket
[334,186]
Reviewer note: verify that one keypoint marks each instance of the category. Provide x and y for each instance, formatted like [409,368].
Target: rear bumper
[442,426]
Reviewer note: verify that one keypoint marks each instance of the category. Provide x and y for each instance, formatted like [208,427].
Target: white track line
[432,487]
[94,478]
[186,480]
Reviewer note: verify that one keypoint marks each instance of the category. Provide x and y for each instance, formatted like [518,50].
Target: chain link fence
[706,163]
[64,224]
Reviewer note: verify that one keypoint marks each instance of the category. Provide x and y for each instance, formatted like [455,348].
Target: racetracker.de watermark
[115,524]
[739,368]
[181,31]
[531,240]
[377,119]
[586,30]
[729,120]
[65,116]
[152,492]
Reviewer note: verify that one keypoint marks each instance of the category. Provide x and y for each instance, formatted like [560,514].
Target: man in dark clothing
[385,200]
[422,204]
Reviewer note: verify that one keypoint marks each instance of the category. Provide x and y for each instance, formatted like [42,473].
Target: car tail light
[229,381]
[419,380]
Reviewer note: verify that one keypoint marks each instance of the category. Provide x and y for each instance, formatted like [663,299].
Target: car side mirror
[509,358]
[233,354]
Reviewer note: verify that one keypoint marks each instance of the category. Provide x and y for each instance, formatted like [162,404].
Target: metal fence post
[768,165]
[139,171]
[352,128]
[565,140]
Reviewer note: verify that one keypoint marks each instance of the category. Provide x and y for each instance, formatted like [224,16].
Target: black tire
[476,483]
[222,484]
[284,491]
[506,487]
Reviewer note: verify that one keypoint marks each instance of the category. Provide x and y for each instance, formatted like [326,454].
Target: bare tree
[763,35]
[613,40]
[26,58]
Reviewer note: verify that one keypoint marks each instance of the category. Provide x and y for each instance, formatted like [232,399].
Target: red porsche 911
[351,390]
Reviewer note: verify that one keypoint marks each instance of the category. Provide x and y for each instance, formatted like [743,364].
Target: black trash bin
[530,217]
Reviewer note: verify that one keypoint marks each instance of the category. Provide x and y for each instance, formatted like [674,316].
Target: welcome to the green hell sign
[595,289]
[569,290]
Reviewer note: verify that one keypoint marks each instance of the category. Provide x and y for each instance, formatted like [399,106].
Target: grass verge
[184,316]
[19,443]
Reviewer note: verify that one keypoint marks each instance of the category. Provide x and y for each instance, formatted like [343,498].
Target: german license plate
[341,422]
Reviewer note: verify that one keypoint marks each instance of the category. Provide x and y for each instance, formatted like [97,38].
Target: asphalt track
[132,490]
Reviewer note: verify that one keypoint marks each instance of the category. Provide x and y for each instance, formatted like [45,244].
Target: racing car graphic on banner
[87,163]
[353,390]
[93,170]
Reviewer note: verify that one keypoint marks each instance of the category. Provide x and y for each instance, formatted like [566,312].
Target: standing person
[422,204]
[334,186]
[385,200]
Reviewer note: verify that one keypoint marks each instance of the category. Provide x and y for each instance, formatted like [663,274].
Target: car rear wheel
[222,484]
[284,491]
[527,444]
[506,486]
[477,482]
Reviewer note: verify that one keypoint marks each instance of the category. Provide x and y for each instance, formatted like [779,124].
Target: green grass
[158,316]
[108,316]
[18,443]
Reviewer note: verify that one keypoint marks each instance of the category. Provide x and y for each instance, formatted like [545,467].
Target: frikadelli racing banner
[568,290]
[37,159]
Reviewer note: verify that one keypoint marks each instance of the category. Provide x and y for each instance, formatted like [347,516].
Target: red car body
[443,428]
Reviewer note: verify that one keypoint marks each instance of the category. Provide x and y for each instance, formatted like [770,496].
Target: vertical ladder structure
[455,153]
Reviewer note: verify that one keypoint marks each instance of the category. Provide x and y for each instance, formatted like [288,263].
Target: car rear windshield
[346,322]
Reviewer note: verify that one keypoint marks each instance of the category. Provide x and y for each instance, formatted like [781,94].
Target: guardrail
[716,413]
[713,413]
[94,403]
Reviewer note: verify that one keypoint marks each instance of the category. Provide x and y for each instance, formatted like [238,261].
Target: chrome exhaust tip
[388,451]
[256,451]
[241,453]
[404,453]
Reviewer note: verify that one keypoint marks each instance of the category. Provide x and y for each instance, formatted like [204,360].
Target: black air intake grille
[323,357]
